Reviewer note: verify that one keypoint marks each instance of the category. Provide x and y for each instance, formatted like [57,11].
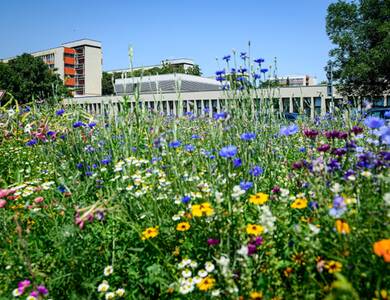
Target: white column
[291,105]
[280,104]
[301,105]
[312,108]
[323,105]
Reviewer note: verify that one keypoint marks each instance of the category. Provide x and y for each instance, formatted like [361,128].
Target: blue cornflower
[220,78]
[256,171]
[259,60]
[92,124]
[248,136]
[374,122]
[61,189]
[60,112]
[27,109]
[243,55]
[185,199]
[387,114]
[228,151]
[88,173]
[189,148]
[242,70]
[237,162]
[220,115]
[226,58]
[256,76]
[174,144]
[264,70]
[339,207]
[79,166]
[246,185]
[240,78]
[302,149]
[134,149]
[106,160]
[233,71]
[32,142]
[195,136]
[78,124]
[219,73]
[289,130]
[51,133]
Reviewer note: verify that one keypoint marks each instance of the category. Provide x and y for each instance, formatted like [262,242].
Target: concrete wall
[93,71]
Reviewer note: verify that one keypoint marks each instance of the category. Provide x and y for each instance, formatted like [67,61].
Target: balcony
[69,71]
[70,81]
[69,60]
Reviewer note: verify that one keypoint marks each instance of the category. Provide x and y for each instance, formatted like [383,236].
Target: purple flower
[289,130]
[387,114]
[248,136]
[313,205]
[251,249]
[246,185]
[237,162]
[374,122]
[323,148]
[228,151]
[310,133]
[256,171]
[212,242]
[174,144]
[34,294]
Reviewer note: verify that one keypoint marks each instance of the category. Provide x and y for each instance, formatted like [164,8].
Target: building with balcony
[79,64]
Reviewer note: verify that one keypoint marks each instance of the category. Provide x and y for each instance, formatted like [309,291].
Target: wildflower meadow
[239,205]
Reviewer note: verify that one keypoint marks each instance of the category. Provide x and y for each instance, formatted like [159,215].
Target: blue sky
[292,31]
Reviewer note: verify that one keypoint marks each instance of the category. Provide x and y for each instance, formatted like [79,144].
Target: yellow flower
[255,295]
[342,227]
[206,283]
[204,209]
[183,226]
[150,232]
[299,203]
[259,198]
[333,266]
[254,229]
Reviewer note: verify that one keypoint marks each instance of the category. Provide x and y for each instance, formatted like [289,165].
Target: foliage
[29,79]
[361,32]
[241,204]
[107,84]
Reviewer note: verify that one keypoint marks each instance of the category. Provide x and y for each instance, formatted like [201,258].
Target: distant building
[79,64]
[184,62]
[296,80]
[166,83]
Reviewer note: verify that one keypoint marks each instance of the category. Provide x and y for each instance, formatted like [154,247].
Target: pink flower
[38,199]
[2,203]
[6,192]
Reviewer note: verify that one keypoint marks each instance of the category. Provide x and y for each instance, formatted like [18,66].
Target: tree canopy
[361,32]
[28,78]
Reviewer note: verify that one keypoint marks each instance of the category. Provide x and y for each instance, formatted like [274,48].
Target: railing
[312,101]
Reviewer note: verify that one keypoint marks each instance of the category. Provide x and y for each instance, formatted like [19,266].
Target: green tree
[107,87]
[361,32]
[28,78]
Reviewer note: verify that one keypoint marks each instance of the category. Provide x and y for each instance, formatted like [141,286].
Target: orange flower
[342,227]
[183,226]
[382,248]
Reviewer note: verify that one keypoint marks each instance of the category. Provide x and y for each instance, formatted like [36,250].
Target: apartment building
[79,64]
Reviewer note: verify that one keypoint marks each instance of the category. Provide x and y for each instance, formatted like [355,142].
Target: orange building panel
[69,51]
[70,81]
[69,60]
[69,71]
